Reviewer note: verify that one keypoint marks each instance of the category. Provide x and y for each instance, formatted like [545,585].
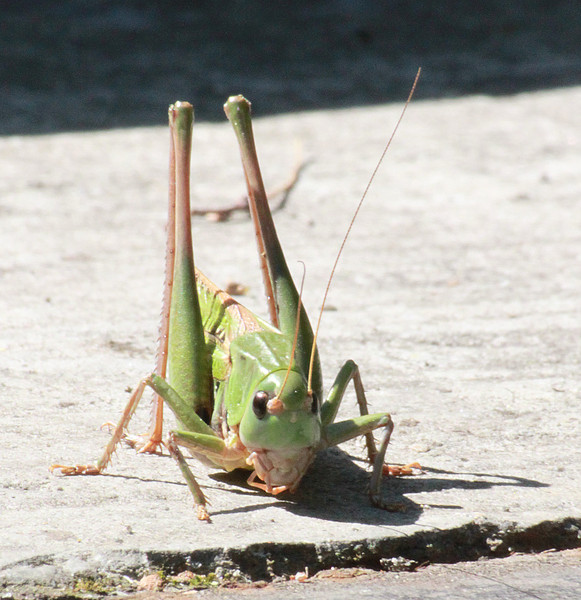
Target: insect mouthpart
[281,469]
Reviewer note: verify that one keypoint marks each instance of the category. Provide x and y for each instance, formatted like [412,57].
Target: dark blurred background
[82,64]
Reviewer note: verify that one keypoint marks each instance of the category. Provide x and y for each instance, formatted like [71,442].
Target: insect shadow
[335,489]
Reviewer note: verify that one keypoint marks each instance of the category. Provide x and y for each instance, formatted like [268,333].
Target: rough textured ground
[458,295]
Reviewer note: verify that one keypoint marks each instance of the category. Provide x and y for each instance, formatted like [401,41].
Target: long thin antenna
[351,225]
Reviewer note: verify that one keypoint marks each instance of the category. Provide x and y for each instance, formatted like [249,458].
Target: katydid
[246,393]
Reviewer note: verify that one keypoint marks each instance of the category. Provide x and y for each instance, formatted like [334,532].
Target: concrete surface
[458,295]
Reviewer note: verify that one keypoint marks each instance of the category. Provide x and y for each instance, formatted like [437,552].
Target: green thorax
[245,350]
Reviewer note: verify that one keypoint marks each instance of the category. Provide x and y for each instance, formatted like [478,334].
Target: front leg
[348,372]
[365,424]
[193,485]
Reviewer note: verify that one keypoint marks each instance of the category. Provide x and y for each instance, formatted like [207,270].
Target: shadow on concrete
[335,489]
[69,65]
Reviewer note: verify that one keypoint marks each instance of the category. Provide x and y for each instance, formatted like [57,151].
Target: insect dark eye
[259,404]
[315,404]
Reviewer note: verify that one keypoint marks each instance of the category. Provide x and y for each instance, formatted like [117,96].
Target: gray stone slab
[458,296]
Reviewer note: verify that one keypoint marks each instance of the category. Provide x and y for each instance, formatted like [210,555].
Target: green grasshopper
[246,393]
